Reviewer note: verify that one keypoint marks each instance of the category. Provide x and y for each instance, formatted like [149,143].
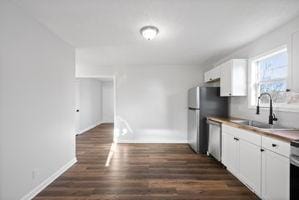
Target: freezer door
[193,129]
[193,97]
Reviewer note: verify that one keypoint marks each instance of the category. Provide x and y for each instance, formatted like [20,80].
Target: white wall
[36,102]
[90,103]
[279,37]
[151,101]
[108,101]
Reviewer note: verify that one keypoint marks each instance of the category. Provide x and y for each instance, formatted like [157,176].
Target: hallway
[141,171]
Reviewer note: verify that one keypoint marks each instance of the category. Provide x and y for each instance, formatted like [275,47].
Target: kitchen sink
[260,125]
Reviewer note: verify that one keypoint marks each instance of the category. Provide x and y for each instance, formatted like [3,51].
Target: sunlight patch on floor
[110,155]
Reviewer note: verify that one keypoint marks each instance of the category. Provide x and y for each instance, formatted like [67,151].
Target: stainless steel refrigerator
[203,102]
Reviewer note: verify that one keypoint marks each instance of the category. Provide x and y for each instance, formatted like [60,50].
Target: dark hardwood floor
[141,171]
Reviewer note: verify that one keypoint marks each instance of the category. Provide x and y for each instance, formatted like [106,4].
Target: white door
[250,166]
[275,176]
[230,153]
[77,107]
[226,79]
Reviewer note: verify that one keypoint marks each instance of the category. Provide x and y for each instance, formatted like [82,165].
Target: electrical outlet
[35,173]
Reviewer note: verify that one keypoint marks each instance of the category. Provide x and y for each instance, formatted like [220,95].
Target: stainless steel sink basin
[260,125]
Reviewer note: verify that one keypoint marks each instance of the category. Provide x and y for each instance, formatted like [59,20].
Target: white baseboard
[88,128]
[107,122]
[49,180]
[153,141]
[154,135]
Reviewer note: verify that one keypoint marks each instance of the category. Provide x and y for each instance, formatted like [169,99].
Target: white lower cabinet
[260,162]
[242,159]
[275,176]
[230,153]
[250,166]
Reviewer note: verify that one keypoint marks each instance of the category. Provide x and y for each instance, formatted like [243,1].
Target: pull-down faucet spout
[271,114]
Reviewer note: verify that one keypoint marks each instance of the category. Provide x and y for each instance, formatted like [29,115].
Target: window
[269,73]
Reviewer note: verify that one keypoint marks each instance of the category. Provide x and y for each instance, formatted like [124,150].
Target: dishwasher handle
[211,122]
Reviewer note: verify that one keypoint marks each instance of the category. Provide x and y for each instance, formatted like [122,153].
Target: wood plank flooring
[141,171]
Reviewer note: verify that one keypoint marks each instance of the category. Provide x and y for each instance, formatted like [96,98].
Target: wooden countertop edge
[262,132]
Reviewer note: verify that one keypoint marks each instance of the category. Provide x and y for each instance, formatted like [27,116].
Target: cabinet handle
[230,94]
[262,150]
[237,139]
[274,145]
[288,90]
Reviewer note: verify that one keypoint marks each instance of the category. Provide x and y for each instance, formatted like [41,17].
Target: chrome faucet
[272,116]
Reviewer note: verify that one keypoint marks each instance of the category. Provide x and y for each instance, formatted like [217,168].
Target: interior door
[77,108]
[193,129]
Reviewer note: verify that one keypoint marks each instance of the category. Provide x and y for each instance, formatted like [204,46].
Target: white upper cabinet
[226,79]
[233,80]
[213,74]
[293,83]
[232,75]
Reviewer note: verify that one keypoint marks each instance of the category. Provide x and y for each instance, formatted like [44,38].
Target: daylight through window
[270,74]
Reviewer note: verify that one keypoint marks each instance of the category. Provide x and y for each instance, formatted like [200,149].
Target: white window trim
[251,83]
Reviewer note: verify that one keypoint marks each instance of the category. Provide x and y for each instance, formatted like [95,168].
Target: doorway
[94,103]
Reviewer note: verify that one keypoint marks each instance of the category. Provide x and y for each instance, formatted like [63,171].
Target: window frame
[252,89]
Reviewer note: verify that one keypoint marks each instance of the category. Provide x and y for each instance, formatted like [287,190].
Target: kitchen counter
[284,135]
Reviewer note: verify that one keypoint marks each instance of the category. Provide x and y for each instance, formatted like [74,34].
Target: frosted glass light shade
[149,32]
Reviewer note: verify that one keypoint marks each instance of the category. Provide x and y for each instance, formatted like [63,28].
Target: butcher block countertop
[284,135]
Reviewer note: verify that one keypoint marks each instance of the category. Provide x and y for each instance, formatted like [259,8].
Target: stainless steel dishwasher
[214,147]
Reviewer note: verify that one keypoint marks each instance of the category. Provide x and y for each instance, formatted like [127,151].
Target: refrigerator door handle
[198,130]
[193,108]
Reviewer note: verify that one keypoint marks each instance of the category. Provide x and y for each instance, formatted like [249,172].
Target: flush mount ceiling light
[149,32]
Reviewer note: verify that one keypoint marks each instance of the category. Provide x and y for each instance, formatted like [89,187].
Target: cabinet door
[212,75]
[208,76]
[230,153]
[225,159]
[216,73]
[275,176]
[293,83]
[250,166]
[239,77]
[226,79]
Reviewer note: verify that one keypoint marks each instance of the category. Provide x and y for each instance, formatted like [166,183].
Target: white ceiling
[106,32]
